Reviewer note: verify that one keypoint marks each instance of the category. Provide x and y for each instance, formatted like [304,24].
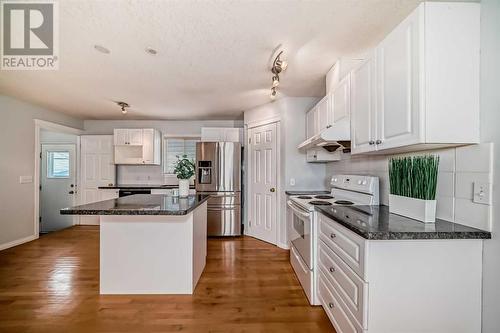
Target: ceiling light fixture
[102,49]
[150,50]
[123,106]
[279,65]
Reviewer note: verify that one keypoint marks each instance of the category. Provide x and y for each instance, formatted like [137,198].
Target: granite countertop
[376,223]
[140,204]
[139,187]
[306,192]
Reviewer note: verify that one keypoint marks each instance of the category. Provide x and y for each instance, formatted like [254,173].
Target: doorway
[57,185]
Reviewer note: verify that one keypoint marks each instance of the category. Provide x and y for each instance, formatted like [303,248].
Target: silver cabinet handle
[332,236]
[328,126]
[330,305]
[378,142]
[371,142]
[332,269]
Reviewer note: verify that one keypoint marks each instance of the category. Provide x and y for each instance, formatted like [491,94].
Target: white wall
[152,174]
[17,149]
[490,132]
[308,176]
[47,136]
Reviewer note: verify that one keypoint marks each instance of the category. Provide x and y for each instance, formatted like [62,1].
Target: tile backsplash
[459,168]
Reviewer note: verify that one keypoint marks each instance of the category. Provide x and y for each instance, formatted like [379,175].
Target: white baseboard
[283,246]
[18,242]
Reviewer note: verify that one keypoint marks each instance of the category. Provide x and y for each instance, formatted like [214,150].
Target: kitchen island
[150,244]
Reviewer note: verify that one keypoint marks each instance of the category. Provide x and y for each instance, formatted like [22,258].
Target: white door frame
[279,226]
[47,125]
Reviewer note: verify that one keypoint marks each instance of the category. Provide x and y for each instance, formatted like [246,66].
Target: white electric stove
[346,190]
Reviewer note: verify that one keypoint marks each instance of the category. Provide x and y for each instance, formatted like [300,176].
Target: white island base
[152,254]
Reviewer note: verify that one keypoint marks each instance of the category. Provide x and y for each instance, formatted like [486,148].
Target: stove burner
[304,197]
[344,202]
[319,203]
[323,197]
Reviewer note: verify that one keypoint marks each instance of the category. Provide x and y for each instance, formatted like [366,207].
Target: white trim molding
[18,242]
[42,124]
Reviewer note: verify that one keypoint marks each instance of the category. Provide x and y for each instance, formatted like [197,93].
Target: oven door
[300,224]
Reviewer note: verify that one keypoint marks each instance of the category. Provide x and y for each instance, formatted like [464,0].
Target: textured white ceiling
[213,56]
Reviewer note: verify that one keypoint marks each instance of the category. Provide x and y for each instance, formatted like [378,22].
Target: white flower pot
[183,187]
[418,209]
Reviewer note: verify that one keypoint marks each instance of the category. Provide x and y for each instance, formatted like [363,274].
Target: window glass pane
[177,147]
[58,164]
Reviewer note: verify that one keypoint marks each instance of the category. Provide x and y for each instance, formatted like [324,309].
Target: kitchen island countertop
[140,204]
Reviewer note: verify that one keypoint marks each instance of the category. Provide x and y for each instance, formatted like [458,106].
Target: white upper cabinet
[137,146]
[363,108]
[128,136]
[312,122]
[221,134]
[341,99]
[398,111]
[323,114]
[151,146]
[426,89]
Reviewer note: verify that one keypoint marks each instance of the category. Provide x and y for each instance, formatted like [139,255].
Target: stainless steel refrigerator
[218,173]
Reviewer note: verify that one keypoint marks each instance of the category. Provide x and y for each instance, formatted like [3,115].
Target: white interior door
[97,169]
[263,181]
[58,185]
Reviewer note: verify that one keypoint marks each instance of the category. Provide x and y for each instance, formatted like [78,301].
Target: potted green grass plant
[413,182]
[184,169]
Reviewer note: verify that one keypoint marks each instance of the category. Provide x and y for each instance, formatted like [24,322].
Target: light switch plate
[25,179]
[482,193]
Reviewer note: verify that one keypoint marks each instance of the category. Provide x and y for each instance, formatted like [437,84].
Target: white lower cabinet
[394,286]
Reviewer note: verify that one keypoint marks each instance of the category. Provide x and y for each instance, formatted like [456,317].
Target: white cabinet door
[135,136]
[341,100]
[148,145]
[322,111]
[311,123]
[398,95]
[363,107]
[120,136]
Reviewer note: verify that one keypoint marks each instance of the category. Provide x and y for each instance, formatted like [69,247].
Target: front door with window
[58,186]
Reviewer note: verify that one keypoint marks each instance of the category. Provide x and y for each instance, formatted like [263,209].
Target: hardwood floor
[52,285]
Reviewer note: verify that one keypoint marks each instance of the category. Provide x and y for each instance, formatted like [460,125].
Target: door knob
[272,189]
[71,192]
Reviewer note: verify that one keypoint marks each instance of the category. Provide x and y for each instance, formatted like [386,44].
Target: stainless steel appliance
[346,190]
[218,173]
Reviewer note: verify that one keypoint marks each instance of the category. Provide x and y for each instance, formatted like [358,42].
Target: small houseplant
[413,182]
[184,169]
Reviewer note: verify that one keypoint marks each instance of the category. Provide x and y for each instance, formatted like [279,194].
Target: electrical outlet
[292,181]
[482,193]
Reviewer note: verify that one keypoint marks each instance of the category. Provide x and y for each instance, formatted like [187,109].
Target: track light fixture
[123,106]
[279,65]
[273,93]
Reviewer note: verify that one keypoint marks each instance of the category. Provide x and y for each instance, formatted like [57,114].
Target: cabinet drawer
[348,284]
[348,246]
[340,317]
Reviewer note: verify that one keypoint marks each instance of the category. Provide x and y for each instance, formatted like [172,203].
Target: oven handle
[297,210]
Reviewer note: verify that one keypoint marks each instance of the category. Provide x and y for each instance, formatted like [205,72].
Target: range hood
[331,139]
